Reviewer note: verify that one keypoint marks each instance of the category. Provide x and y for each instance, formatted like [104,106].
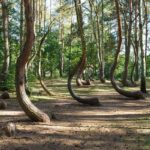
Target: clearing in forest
[118,124]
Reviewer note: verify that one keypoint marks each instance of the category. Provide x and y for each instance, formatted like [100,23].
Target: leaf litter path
[119,124]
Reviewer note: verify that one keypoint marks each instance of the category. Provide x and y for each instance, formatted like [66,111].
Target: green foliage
[51,49]
[10,82]
[51,53]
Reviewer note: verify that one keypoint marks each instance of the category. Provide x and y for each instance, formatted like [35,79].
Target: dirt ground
[118,124]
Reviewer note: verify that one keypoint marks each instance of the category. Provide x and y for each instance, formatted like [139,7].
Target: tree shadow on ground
[45,138]
[119,124]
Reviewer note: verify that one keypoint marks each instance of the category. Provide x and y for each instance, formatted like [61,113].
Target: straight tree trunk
[143,61]
[146,27]
[127,52]
[61,39]
[44,15]
[97,36]
[99,51]
[136,42]
[134,65]
[6,63]
[70,40]
[102,66]
[21,24]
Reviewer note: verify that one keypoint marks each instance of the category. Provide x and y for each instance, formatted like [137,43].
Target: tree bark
[97,36]
[135,94]
[102,66]
[32,111]
[99,52]
[6,63]
[80,66]
[134,65]
[21,24]
[61,39]
[136,42]
[127,52]
[39,66]
[146,28]
[143,61]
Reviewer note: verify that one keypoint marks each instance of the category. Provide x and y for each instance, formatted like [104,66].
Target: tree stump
[10,129]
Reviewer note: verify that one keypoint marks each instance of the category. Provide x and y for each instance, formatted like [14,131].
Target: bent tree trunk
[32,111]
[134,94]
[39,66]
[80,66]
[88,101]
[79,80]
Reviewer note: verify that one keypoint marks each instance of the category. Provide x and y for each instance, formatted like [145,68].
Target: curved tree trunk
[88,101]
[32,111]
[81,82]
[39,66]
[80,66]
[135,94]
[78,8]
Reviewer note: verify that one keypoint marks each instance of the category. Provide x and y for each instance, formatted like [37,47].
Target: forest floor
[118,124]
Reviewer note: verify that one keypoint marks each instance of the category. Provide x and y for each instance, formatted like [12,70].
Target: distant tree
[143,57]
[21,24]
[6,62]
[95,7]
[128,45]
[61,39]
